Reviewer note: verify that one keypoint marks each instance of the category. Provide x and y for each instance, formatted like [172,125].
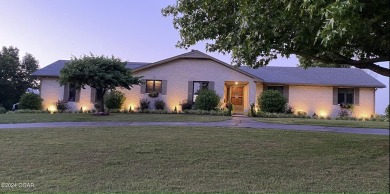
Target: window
[72,93]
[153,86]
[276,88]
[345,96]
[199,85]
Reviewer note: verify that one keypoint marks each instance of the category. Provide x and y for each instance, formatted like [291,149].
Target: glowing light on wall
[131,106]
[323,113]
[175,108]
[362,115]
[52,108]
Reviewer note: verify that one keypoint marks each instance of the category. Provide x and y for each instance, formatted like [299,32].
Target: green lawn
[85,117]
[328,123]
[192,159]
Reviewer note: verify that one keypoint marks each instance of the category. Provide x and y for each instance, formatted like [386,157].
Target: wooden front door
[237,95]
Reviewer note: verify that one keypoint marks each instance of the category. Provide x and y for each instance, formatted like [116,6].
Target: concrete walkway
[236,121]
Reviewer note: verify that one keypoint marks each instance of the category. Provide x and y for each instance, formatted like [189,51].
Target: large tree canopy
[15,75]
[303,62]
[352,32]
[100,72]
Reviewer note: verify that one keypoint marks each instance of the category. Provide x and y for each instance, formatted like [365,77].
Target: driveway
[236,121]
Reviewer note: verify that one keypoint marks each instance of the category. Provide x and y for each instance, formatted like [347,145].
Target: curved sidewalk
[236,121]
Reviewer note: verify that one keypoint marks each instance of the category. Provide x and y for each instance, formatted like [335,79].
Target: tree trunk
[100,96]
[343,60]
[375,68]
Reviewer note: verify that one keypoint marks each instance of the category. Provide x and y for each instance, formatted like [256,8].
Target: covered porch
[237,93]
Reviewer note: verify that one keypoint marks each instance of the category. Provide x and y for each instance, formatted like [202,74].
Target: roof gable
[194,54]
[52,70]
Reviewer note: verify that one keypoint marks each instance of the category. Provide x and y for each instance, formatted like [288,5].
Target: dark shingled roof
[344,77]
[53,70]
[348,77]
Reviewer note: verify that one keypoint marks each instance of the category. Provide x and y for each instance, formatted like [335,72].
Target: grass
[328,123]
[192,159]
[85,117]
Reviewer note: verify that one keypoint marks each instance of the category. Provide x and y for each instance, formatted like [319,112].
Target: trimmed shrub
[387,111]
[207,100]
[30,101]
[159,104]
[115,110]
[114,99]
[144,104]
[205,112]
[61,106]
[272,101]
[280,115]
[26,111]
[185,105]
[2,110]
[158,112]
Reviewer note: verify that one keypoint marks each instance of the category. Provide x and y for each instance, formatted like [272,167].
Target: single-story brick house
[315,90]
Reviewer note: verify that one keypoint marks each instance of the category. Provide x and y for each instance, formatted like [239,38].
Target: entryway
[236,93]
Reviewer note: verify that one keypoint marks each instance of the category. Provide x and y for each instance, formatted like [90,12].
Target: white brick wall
[319,100]
[51,91]
[312,99]
[366,106]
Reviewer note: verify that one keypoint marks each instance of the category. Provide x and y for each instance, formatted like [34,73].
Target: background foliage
[15,75]
[352,32]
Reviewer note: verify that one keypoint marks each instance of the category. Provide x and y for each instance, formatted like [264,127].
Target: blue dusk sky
[131,30]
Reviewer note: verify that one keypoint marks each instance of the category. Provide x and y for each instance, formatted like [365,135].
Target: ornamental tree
[348,32]
[100,72]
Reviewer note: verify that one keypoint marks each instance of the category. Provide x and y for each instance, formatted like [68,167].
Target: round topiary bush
[114,99]
[271,101]
[30,101]
[207,100]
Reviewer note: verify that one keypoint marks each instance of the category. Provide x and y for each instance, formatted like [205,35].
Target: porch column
[252,93]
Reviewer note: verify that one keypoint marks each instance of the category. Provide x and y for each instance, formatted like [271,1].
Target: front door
[237,98]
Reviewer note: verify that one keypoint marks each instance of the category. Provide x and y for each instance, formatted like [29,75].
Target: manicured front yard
[328,123]
[85,117]
[192,159]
